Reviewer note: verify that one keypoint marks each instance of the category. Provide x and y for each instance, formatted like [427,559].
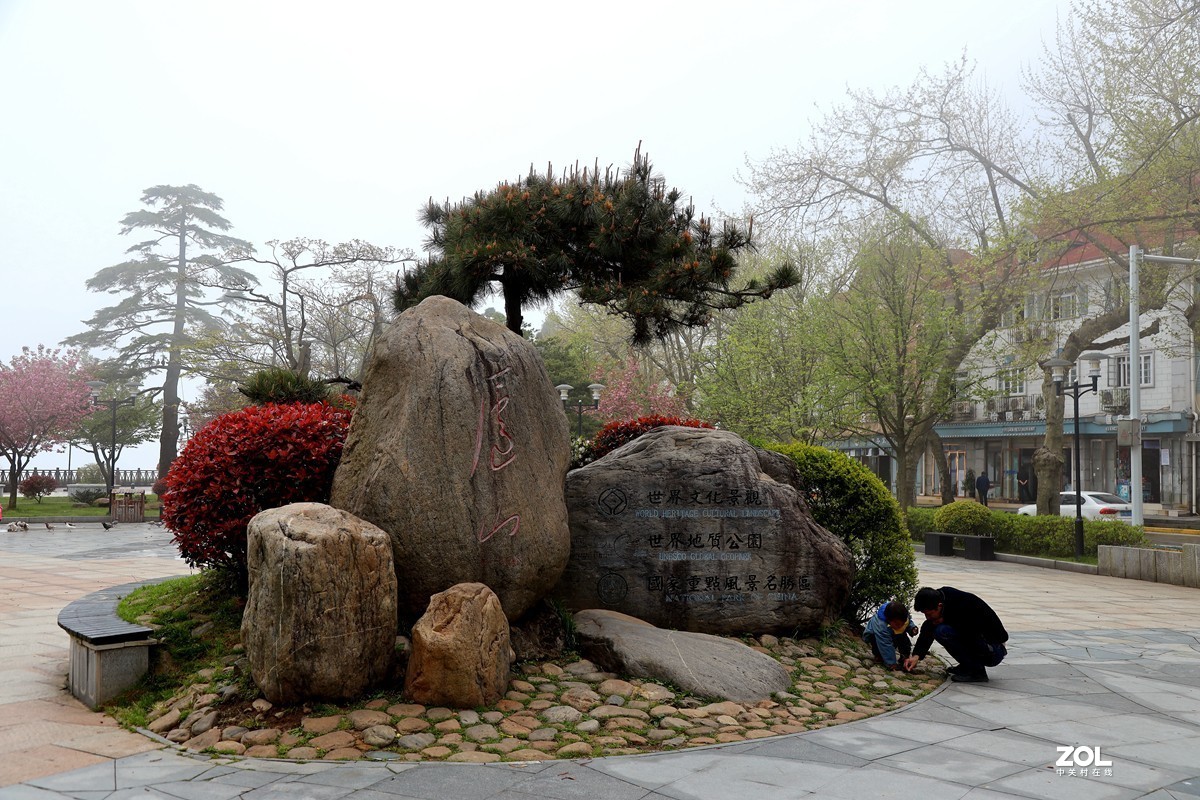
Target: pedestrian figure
[963,624]
[982,485]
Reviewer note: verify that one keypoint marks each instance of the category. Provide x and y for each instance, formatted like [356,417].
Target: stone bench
[108,655]
[976,548]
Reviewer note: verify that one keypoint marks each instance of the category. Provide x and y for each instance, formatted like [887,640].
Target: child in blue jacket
[887,632]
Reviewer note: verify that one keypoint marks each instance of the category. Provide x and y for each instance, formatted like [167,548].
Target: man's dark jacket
[968,615]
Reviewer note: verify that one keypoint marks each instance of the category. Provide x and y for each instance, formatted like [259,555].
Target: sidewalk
[42,728]
[1094,661]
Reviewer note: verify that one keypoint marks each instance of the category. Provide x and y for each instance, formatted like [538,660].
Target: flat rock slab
[702,664]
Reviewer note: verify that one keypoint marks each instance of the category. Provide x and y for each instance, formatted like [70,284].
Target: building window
[1014,316]
[962,386]
[1116,293]
[1011,382]
[1145,372]
[1062,305]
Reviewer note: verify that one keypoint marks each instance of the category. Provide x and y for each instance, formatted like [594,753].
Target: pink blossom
[628,394]
[43,396]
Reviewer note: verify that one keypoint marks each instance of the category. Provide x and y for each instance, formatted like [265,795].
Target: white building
[1001,419]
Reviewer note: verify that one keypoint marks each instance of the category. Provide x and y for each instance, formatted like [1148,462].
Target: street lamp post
[565,388]
[97,387]
[1075,391]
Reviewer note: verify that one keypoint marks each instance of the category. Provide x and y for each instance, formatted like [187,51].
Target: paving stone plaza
[1108,665]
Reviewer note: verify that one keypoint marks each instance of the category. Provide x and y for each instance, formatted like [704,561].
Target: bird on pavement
[107,525]
[49,527]
[71,527]
[12,527]
[23,525]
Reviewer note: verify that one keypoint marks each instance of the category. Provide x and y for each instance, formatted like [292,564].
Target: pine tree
[163,293]
[622,240]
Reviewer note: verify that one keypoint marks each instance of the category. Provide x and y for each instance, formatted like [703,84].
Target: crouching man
[963,624]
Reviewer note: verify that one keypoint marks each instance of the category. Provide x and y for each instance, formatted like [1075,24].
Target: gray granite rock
[705,665]
[687,529]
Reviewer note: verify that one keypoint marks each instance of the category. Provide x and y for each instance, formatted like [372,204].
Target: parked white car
[1096,505]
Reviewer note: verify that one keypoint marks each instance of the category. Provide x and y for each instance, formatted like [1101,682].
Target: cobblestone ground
[551,711]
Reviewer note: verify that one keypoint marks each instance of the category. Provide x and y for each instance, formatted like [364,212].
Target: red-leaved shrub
[245,462]
[38,486]
[159,488]
[615,434]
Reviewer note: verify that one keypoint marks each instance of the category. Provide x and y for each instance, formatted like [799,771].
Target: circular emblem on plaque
[612,502]
[612,589]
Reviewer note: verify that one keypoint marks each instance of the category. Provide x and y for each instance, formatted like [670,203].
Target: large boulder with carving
[458,449]
[686,528]
[461,652]
[320,618]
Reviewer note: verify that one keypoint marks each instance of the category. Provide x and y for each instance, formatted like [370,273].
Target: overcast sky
[339,120]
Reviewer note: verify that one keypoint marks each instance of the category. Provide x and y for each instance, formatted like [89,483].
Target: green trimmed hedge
[1045,536]
[850,502]
[1054,536]
[920,522]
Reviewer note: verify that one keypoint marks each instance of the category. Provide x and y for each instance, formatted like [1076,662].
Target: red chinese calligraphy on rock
[503,452]
[514,521]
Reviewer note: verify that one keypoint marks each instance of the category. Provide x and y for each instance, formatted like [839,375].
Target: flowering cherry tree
[43,396]
[630,394]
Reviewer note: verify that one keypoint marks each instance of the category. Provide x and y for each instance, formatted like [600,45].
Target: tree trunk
[512,311]
[168,438]
[905,478]
[1047,459]
[13,473]
[943,467]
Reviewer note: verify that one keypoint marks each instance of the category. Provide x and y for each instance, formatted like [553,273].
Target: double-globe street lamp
[1074,390]
[97,387]
[596,388]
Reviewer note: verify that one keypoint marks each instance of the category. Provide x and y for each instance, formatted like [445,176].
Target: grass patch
[51,507]
[176,608]
[168,593]
[65,507]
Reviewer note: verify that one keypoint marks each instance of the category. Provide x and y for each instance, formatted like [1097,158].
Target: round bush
[963,518]
[89,473]
[850,502]
[37,486]
[245,462]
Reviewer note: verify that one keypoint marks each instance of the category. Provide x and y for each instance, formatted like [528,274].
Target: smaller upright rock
[461,651]
[320,619]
